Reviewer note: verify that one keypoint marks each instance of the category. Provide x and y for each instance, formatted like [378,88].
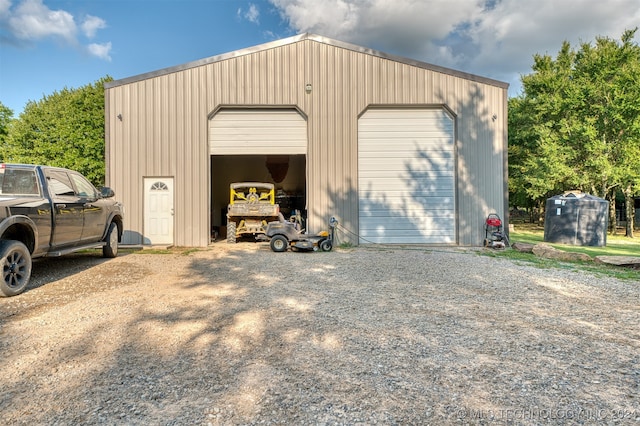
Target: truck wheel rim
[14,270]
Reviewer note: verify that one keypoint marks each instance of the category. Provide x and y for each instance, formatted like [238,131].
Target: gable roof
[298,38]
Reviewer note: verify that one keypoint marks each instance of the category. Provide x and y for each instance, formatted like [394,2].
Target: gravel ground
[242,335]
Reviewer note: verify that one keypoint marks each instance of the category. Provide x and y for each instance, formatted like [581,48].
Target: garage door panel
[385,236]
[389,144]
[375,159]
[398,197]
[372,218]
[380,231]
[438,222]
[396,208]
[263,135]
[246,146]
[406,176]
[403,118]
[381,235]
[394,157]
[405,199]
[409,239]
[403,175]
[257,131]
[444,182]
[388,133]
[424,161]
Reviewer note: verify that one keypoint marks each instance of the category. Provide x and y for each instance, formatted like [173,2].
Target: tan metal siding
[164,131]
[156,142]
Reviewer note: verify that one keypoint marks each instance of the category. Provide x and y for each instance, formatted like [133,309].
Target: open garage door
[406,176]
[257,145]
[257,131]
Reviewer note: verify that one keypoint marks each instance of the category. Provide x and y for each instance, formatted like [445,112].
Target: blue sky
[48,45]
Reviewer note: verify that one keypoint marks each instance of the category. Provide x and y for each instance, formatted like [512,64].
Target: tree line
[576,126]
[64,129]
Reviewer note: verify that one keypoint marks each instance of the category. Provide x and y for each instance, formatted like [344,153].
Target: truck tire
[15,261]
[231,233]
[110,249]
[279,243]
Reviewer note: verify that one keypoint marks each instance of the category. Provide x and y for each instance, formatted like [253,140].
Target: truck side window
[59,183]
[84,187]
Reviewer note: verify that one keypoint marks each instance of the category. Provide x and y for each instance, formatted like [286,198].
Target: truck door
[95,215]
[68,209]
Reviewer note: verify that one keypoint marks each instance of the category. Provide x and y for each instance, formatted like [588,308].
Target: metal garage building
[399,151]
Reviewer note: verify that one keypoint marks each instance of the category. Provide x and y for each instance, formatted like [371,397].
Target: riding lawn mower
[284,234]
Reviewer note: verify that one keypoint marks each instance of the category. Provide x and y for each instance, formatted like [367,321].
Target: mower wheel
[326,245]
[279,243]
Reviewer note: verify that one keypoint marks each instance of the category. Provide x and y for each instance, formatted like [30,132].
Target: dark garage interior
[286,172]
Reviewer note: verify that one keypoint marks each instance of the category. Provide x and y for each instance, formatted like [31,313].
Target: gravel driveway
[242,335]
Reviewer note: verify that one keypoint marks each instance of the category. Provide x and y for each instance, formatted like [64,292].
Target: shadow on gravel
[246,336]
[47,269]
[53,282]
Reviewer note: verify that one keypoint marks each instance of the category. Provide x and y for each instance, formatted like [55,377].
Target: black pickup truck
[49,211]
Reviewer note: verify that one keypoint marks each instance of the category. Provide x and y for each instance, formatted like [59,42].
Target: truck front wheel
[15,261]
[110,249]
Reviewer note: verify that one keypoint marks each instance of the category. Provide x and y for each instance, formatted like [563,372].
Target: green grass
[616,246]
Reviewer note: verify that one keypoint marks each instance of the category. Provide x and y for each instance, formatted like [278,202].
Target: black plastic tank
[577,219]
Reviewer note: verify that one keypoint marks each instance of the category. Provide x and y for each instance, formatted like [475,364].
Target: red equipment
[494,235]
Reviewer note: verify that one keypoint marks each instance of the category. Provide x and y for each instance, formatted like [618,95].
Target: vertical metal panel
[164,129]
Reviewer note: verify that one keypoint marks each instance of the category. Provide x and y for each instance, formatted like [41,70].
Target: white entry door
[158,210]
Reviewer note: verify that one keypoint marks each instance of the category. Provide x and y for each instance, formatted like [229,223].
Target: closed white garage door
[406,176]
[257,131]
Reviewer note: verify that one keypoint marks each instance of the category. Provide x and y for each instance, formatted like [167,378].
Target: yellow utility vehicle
[251,207]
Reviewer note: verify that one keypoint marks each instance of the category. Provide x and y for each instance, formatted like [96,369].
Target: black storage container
[577,219]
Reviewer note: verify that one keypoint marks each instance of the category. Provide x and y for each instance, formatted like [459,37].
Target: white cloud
[494,38]
[399,26]
[32,21]
[514,31]
[251,15]
[92,24]
[102,51]
[4,9]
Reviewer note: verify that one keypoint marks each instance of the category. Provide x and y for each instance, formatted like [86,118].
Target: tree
[577,125]
[65,129]
[6,115]
[608,77]
[539,160]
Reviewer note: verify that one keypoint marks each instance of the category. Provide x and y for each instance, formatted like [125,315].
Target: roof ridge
[295,39]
